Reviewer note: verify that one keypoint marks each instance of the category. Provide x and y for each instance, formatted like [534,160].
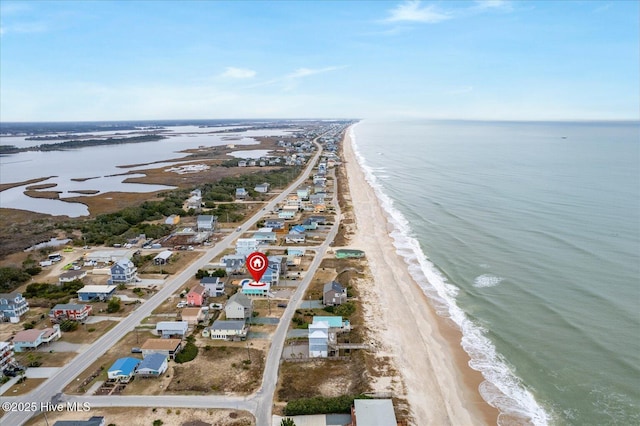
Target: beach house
[213,285]
[96,292]
[73,275]
[263,188]
[32,339]
[333,294]
[123,369]
[252,288]
[318,339]
[197,295]
[226,330]
[162,258]
[373,412]
[123,271]
[92,421]
[206,222]
[241,193]
[168,347]
[7,355]
[153,365]
[246,246]
[70,311]
[172,329]
[193,316]
[12,306]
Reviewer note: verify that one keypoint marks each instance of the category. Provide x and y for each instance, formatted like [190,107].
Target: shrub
[187,354]
[68,325]
[113,305]
[345,310]
[158,422]
[321,405]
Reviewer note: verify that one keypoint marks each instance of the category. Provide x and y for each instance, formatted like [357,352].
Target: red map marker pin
[257,264]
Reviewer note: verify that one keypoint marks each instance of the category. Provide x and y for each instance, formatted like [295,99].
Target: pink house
[196,296]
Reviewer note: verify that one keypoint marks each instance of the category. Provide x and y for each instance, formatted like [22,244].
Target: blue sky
[117,60]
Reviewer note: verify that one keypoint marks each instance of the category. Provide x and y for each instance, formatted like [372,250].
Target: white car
[215,306]
[181,305]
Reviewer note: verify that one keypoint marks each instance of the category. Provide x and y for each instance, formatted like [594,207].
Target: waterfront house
[206,222]
[227,330]
[318,339]
[123,369]
[168,347]
[32,339]
[162,258]
[70,311]
[68,276]
[123,271]
[12,306]
[349,254]
[239,307]
[96,292]
[373,412]
[153,365]
[172,329]
[213,285]
[333,294]
[196,296]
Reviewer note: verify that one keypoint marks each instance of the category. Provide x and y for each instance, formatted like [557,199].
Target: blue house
[123,271]
[297,229]
[96,292]
[123,369]
[153,365]
[12,306]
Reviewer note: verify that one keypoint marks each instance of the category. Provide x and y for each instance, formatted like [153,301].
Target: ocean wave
[486,280]
[502,389]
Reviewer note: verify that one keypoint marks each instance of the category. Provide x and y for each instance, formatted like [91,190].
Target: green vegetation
[321,405]
[345,310]
[287,422]
[12,277]
[54,293]
[68,325]
[188,353]
[114,305]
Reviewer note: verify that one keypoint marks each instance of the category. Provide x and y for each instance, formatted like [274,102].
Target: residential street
[260,403]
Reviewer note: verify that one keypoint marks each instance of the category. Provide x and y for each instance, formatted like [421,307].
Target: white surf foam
[502,388]
[486,280]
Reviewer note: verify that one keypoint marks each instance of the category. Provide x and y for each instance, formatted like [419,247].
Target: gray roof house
[239,306]
[123,271]
[153,365]
[213,285]
[206,222]
[373,412]
[333,294]
[171,329]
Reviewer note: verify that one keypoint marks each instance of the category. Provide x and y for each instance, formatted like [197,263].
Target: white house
[246,246]
[172,329]
[319,339]
[262,188]
[294,238]
[226,330]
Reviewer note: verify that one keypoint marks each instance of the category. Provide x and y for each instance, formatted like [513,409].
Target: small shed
[163,257]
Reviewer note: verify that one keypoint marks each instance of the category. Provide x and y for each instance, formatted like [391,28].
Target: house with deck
[262,188]
[123,369]
[7,355]
[274,224]
[252,288]
[294,238]
[123,271]
[213,285]
[227,330]
[32,339]
[193,316]
[373,412]
[70,311]
[12,306]
[333,294]
[241,193]
[246,246]
[168,347]
[234,264]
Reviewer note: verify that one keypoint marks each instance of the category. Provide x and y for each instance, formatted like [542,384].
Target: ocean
[527,235]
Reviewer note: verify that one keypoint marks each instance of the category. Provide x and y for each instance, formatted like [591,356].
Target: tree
[287,421]
[114,305]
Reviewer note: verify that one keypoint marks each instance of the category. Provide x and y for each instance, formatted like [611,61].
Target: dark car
[282,305]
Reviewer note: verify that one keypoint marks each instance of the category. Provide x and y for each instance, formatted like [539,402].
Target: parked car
[282,305]
[136,350]
[181,305]
[215,306]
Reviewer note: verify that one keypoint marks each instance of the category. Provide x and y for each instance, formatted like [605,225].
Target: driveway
[59,346]
[92,319]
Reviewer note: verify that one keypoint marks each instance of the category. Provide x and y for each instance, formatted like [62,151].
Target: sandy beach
[438,384]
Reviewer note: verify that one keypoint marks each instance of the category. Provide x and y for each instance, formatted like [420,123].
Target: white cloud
[304,72]
[233,72]
[412,11]
[492,4]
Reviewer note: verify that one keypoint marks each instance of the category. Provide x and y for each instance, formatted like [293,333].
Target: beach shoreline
[440,386]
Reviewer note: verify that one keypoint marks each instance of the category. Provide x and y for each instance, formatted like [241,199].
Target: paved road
[260,403]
